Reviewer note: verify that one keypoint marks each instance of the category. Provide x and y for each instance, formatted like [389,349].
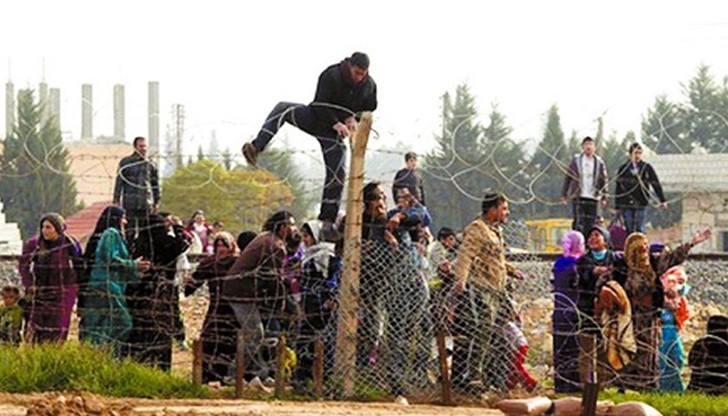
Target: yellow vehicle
[545,235]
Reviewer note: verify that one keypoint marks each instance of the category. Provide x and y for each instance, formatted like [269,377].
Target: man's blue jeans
[634,219]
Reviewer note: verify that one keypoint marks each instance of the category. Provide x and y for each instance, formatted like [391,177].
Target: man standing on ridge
[344,90]
[137,188]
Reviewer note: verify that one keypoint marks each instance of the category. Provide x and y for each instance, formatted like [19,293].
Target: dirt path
[52,404]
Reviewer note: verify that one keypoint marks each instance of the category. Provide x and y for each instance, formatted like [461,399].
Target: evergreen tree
[282,165]
[200,154]
[664,129]
[453,171]
[34,169]
[706,121]
[573,145]
[549,165]
[227,158]
[504,166]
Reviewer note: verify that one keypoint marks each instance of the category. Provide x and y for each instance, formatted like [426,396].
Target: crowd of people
[616,321]
[617,314]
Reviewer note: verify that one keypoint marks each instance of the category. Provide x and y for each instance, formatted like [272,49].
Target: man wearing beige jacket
[483,308]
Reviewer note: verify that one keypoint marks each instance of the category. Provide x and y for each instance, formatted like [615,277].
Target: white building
[701,180]
[10,241]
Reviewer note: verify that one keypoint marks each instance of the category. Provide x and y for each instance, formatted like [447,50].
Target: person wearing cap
[409,177]
[344,90]
[585,185]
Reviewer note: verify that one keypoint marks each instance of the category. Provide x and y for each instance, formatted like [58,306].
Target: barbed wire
[405,303]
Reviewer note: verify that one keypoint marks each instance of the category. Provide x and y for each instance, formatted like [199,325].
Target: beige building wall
[93,166]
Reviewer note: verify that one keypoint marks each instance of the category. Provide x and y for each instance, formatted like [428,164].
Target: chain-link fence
[278,334]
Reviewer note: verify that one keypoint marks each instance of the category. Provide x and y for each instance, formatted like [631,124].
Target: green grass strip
[79,367]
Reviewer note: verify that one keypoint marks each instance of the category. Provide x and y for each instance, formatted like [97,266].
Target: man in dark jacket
[409,177]
[634,180]
[137,188]
[344,90]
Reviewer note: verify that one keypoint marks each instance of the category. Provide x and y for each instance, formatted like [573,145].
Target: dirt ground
[72,404]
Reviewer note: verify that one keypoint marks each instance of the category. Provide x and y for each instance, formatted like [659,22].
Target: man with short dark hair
[481,267]
[137,187]
[409,177]
[253,286]
[585,185]
[344,90]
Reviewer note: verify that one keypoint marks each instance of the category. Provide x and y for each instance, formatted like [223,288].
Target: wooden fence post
[345,361]
[280,367]
[318,367]
[239,364]
[197,361]
[444,369]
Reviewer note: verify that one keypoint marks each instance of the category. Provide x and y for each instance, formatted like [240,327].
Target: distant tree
[706,120]
[505,164]
[200,153]
[599,139]
[242,199]
[615,153]
[664,128]
[227,158]
[34,169]
[282,165]
[549,164]
[454,179]
[189,160]
[573,145]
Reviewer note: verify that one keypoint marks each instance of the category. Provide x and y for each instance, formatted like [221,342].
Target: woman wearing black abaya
[154,300]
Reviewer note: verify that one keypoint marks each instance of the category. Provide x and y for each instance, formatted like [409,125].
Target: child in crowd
[519,346]
[11,316]
[673,316]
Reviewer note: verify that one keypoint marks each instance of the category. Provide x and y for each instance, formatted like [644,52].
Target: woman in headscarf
[708,359]
[219,329]
[154,299]
[643,287]
[566,314]
[48,268]
[595,268]
[319,279]
[106,319]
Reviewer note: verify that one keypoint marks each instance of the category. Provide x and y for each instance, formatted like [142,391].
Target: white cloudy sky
[230,62]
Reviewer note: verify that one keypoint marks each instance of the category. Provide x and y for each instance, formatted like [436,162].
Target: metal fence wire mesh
[287,324]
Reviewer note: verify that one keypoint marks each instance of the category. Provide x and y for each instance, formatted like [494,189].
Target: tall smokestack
[119,112]
[54,106]
[87,111]
[43,101]
[153,113]
[9,108]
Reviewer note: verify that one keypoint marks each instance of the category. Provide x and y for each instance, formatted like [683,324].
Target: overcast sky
[230,62]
